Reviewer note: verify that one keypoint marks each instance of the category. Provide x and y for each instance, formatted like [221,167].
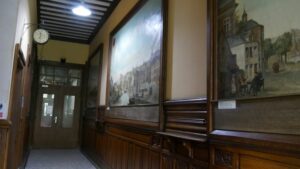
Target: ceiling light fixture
[81,10]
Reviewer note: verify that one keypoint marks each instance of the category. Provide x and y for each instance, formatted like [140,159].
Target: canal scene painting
[136,58]
[258,48]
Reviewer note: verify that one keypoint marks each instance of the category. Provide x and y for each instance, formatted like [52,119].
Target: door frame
[36,92]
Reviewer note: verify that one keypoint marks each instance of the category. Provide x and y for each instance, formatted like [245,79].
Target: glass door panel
[47,110]
[68,112]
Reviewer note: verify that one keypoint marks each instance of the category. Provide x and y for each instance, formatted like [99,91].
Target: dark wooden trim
[180,136]
[55,63]
[186,118]
[21,60]
[185,102]
[258,99]
[52,37]
[5,124]
[209,83]
[132,123]
[38,14]
[275,143]
[163,71]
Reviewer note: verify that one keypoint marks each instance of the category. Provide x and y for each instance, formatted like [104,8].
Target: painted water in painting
[258,48]
[135,58]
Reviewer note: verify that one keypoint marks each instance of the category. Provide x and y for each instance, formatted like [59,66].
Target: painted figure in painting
[257,54]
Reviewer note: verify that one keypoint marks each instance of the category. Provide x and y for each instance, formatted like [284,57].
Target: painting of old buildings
[93,80]
[136,58]
[258,49]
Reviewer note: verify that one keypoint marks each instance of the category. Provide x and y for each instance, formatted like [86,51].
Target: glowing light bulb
[81,11]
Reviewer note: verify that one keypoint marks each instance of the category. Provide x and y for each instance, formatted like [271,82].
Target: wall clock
[41,36]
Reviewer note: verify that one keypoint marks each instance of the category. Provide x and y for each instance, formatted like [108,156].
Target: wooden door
[57,118]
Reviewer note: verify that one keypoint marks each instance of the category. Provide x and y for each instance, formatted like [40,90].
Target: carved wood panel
[244,159]
[130,145]
[119,153]
[3,143]
[186,116]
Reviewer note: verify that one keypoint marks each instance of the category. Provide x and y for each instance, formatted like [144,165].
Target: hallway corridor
[58,159]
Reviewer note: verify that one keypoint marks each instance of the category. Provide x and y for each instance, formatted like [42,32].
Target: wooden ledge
[5,124]
[189,137]
[279,142]
[186,101]
[132,123]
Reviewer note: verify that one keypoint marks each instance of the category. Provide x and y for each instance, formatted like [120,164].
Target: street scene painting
[258,48]
[136,58]
[93,80]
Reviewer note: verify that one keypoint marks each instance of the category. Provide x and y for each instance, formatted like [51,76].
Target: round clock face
[40,36]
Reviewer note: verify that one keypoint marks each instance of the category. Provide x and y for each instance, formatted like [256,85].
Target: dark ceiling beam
[45,18]
[66,30]
[55,26]
[70,5]
[57,17]
[100,3]
[67,8]
[68,17]
[68,34]
[69,12]
[69,39]
[50,22]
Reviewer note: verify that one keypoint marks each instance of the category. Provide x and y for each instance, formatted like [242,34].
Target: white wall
[26,23]
[13,15]
[8,20]
[187,49]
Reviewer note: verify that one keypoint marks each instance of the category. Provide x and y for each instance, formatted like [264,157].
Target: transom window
[55,75]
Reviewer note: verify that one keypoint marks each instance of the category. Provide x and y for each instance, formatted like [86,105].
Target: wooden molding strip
[196,138]
[290,143]
[5,124]
[132,123]
[186,101]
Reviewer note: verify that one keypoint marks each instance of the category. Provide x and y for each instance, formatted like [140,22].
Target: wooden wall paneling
[122,147]
[124,144]
[245,150]
[4,139]
[187,117]
[18,109]
[184,141]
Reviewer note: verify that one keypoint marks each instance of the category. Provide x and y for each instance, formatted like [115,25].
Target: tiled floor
[58,159]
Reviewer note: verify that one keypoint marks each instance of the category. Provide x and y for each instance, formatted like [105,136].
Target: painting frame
[94,72]
[258,85]
[251,114]
[148,111]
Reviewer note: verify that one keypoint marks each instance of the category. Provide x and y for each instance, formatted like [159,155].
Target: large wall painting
[134,90]
[93,79]
[258,48]
[136,58]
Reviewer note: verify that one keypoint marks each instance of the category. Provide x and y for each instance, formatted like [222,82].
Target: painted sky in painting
[137,39]
[277,16]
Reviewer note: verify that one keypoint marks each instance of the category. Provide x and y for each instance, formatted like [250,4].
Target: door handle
[55,119]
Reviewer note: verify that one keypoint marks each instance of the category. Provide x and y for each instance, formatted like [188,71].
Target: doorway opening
[57,117]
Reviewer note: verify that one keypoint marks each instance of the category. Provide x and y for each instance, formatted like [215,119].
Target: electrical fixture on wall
[81,10]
